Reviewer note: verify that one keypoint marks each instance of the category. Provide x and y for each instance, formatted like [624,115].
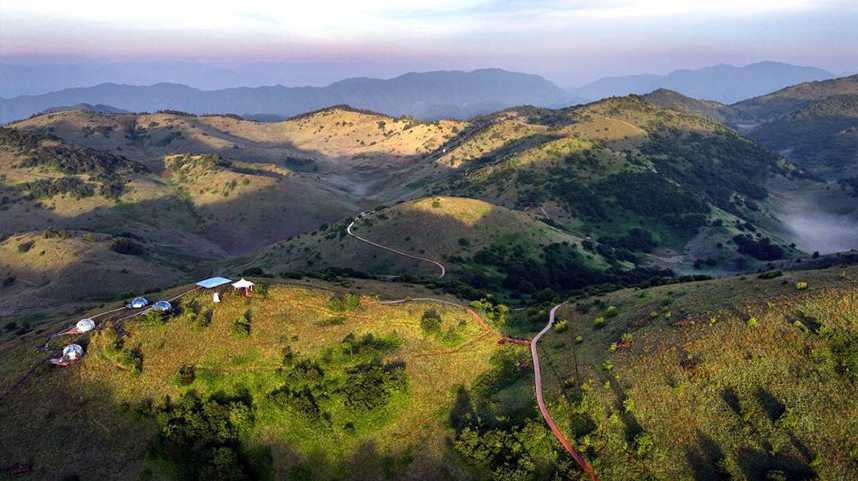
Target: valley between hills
[704,327]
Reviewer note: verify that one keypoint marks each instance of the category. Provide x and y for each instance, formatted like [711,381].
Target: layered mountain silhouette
[723,83]
[429,95]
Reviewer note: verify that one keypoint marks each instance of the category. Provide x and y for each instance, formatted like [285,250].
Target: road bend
[441,267]
[540,400]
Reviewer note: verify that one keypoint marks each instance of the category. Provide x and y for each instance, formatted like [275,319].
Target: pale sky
[566,40]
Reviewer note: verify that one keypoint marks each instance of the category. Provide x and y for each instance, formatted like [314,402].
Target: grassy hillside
[744,378]
[481,244]
[782,102]
[707,109]
[314,388]
[610,167]
[821,136]
[40,269]
[338,138]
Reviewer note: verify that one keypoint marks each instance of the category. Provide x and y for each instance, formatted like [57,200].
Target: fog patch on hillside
[818,217]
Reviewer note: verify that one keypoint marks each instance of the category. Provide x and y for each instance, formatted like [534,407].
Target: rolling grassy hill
[474,238]
[744,378]
[607,168]
[812,123]
[628,186]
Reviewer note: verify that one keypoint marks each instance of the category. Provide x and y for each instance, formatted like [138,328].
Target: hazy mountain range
[723,83]
[426,95]
[430,95]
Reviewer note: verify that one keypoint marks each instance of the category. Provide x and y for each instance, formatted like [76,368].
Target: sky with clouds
[569,41]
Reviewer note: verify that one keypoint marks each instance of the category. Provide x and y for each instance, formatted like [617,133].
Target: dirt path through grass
[540,400]
[396,251]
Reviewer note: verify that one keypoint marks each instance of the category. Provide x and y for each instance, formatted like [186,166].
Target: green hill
[707,109]
[743,378]
[812,123]
[608,168]
[482,245]
[821,136]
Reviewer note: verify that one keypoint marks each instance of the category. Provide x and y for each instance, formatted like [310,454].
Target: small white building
[244,286]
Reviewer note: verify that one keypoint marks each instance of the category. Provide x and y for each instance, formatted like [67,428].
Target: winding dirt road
[534,353]
[540,400]
[395,251]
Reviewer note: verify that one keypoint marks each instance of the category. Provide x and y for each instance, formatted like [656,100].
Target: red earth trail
[540,400]
[395,251]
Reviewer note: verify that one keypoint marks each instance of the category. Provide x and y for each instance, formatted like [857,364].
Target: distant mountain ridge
[723,83]
[813,123]
[427,95]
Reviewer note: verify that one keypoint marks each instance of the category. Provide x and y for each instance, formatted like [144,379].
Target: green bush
[203,438]
[599,322]
[26,246]
[430,322]
[346,303]
[242,325]
[561,325]
[844,347]
[370,385]
[127,247]
[186,375]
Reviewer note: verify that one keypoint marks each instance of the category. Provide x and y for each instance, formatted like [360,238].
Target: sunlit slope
[743,378]
[606,168]
[335,137]
[398,431]
[451,230]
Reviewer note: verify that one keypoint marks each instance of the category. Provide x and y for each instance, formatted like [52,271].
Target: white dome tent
[84,325]
[71,354]
[162,306]
[138,303]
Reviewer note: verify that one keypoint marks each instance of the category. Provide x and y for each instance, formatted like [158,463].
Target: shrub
[611,311]
[599,322]
[45,188]
[346,303]
[253,271]
[579,339]
[561,325]
[203,438]
[844,347]
[431,321]
[643,444]
[762,249]
[800,286]
[770,275]
[302,401]
[332,321]
[370,385]
[752,322]
[186,375]
[242,325]
[127,247]
[26,246]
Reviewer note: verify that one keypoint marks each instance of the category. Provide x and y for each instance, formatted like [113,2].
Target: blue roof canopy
[213,282]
